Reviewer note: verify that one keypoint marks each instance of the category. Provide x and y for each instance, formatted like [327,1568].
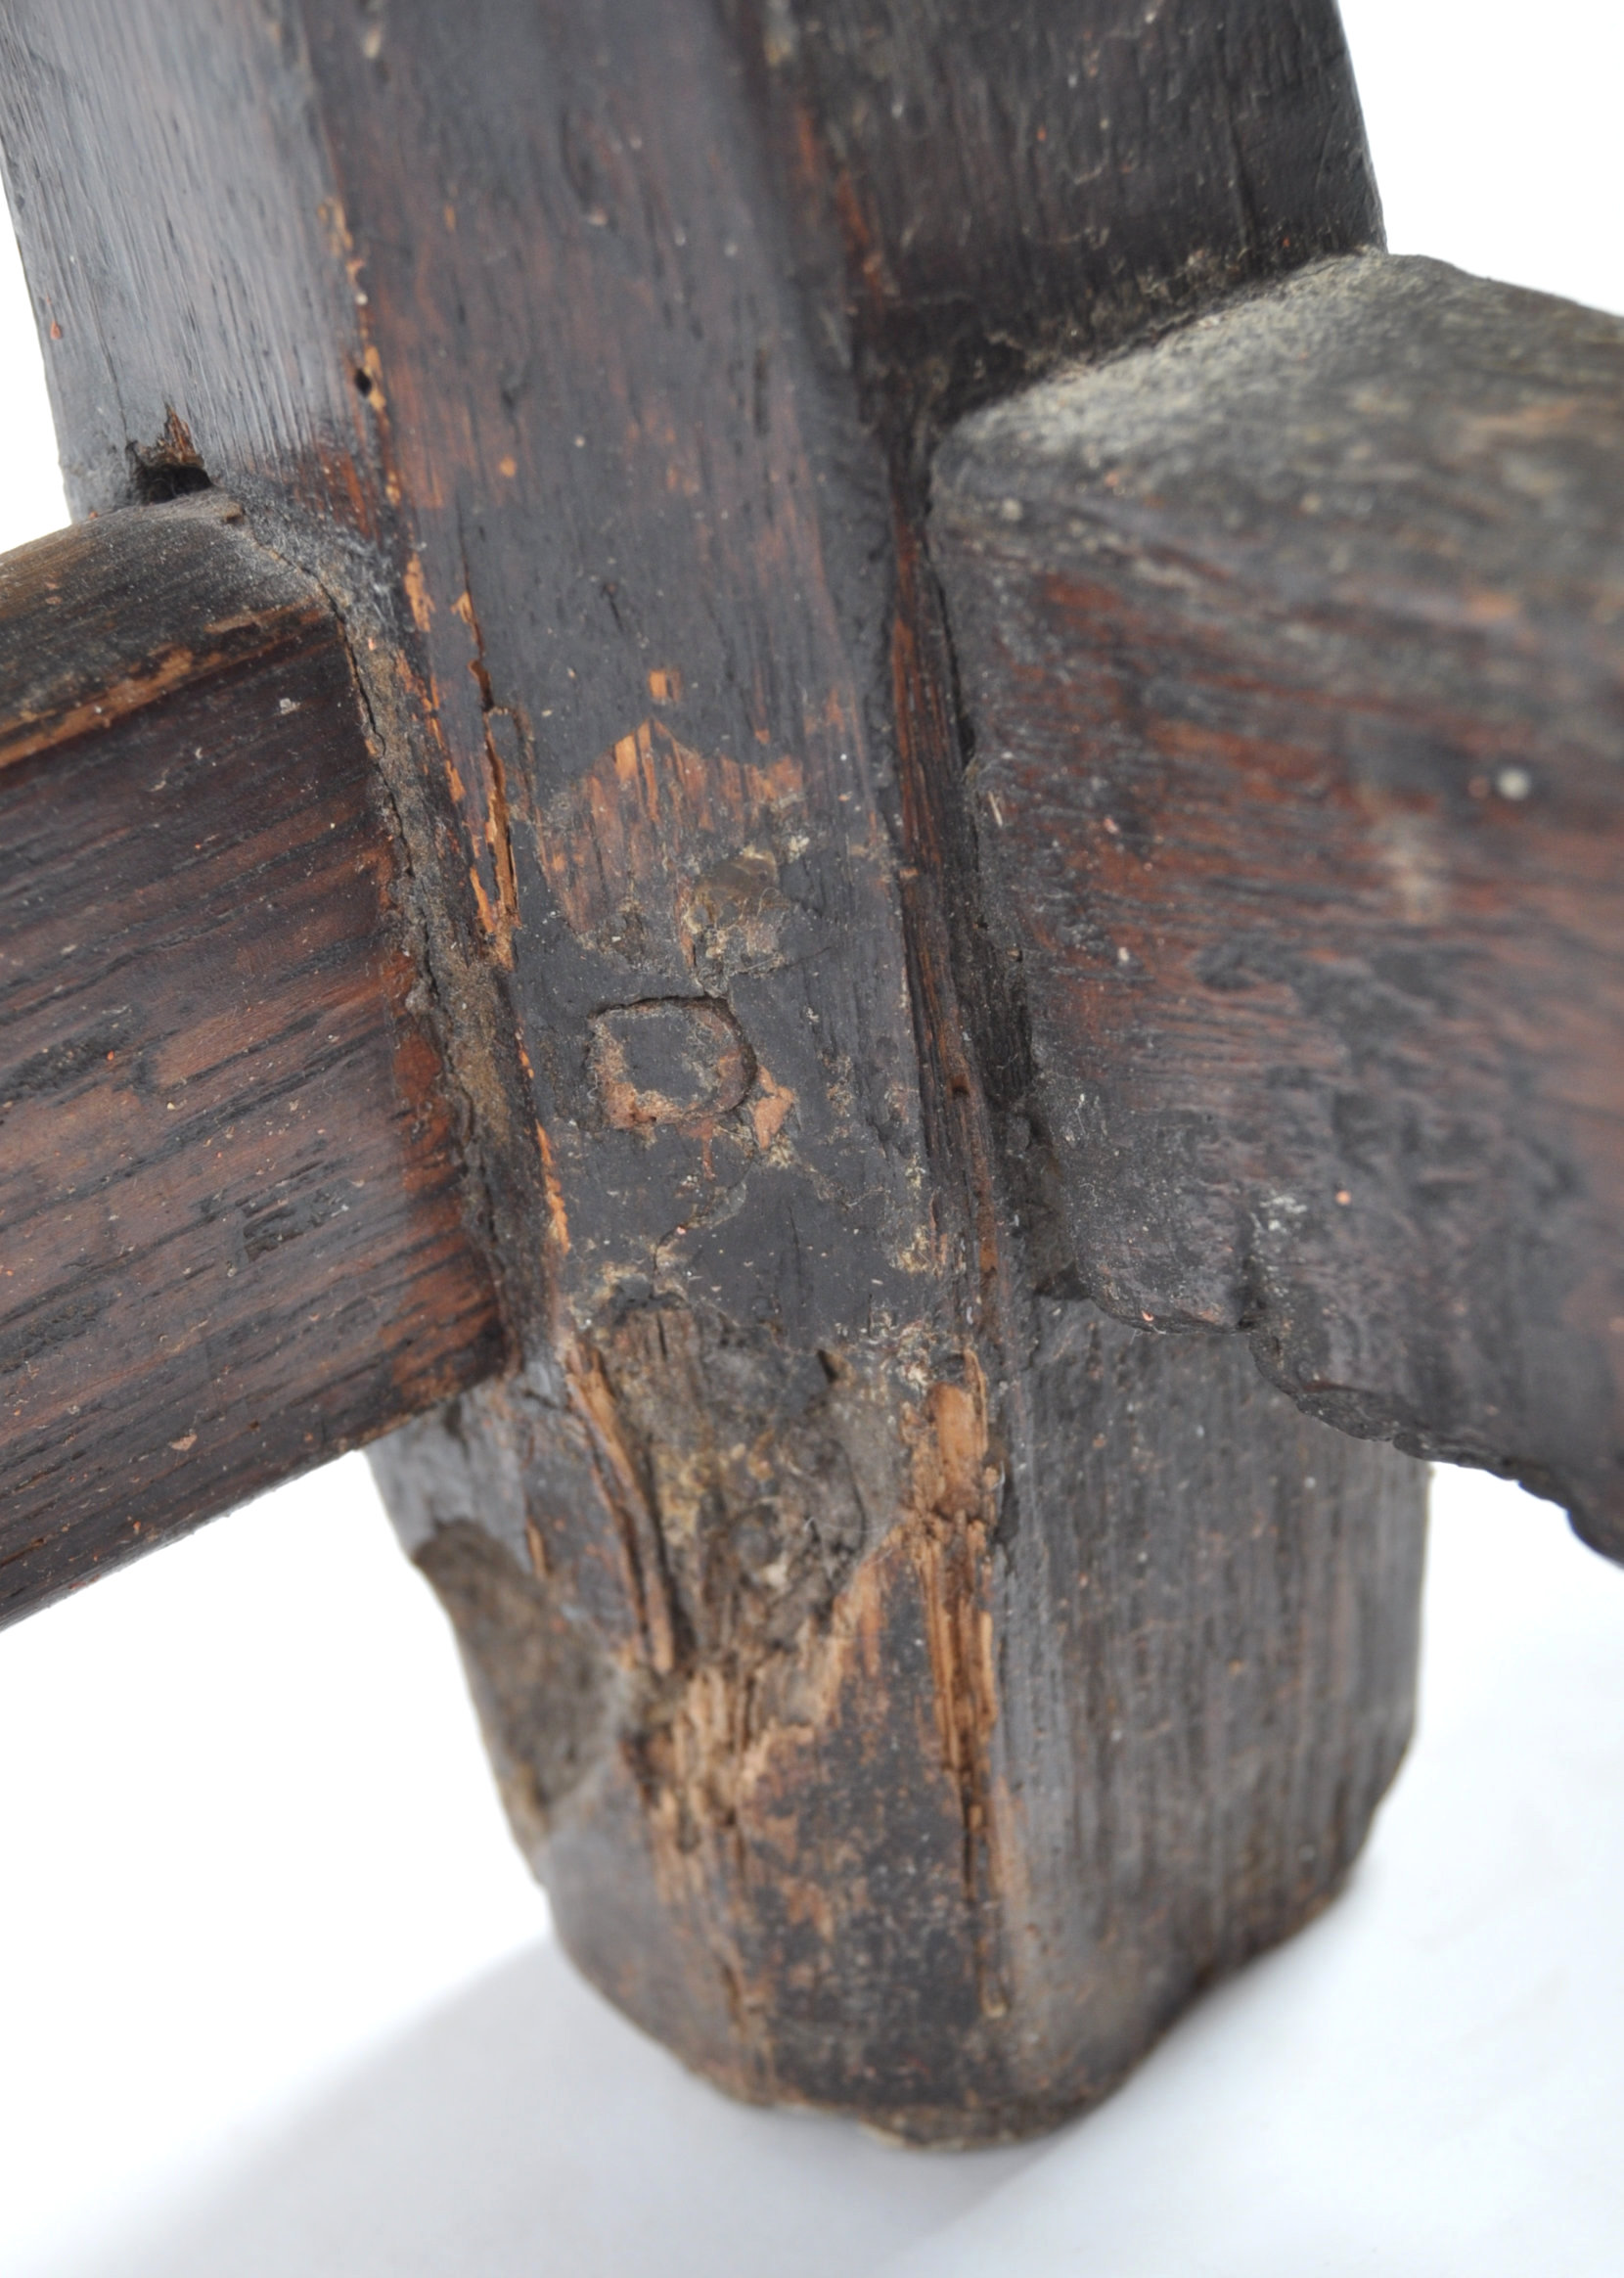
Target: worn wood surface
[1293,649]
[231,1232]
[943,1798]
[911,1684]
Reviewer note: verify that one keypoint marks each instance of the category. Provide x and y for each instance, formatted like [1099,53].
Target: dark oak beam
[1293,649]
[911,1685]
[232,1231]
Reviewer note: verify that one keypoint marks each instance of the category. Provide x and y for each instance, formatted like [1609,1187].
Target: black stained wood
[231,1238]
[813,1561]
[1295,651]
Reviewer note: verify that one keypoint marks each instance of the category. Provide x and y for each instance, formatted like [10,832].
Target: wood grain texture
[1009,187]
[232,1239]
[1294,650]
[594,355]
[935,1809]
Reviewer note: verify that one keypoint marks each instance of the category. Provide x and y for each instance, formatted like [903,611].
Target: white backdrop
[278,1997]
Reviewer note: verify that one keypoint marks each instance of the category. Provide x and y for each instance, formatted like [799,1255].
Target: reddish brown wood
[232,1233]
[1293,652]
